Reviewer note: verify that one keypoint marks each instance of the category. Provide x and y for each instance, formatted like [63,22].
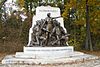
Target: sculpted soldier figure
[35,35]
[49,26]
[49,22]
[48,32]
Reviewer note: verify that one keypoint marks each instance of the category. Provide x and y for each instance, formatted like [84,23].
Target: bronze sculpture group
[48,33]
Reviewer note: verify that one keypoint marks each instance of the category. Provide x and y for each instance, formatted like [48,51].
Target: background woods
[14,29]
[75,22]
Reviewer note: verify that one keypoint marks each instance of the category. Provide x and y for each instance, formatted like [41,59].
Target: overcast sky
[10,1]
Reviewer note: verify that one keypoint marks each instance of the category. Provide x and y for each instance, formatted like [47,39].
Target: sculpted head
[48,14]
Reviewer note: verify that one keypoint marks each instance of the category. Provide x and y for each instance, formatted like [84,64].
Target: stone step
[46,52]
[48,49]
[13,60]
[69,48]
[24,55]
[48,55]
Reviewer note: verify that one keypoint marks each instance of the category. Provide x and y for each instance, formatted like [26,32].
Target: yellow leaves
[68,5]
[64,15]
[95,21]
[72,3]
[95,25]
[94,30]
[21,2]
[91,2]
[94,13]
[81,21]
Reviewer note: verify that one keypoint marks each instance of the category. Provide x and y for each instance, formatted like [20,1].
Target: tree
[79,23]
[88,35]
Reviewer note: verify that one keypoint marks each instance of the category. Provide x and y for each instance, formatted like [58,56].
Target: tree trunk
[88,35]
[31,7]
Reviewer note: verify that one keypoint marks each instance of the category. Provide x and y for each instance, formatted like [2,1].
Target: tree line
[14,32]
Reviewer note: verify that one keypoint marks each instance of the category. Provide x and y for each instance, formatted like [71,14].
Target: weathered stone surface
[65,60]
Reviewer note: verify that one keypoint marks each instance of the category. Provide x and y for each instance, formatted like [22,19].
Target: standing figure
[49,27]
[49,21]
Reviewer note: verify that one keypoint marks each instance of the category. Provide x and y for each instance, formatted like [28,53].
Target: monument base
[46,55]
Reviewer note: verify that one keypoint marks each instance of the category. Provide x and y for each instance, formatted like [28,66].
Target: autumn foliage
[14,33]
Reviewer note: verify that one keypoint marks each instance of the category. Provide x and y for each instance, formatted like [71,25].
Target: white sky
[10,1]
[10,5]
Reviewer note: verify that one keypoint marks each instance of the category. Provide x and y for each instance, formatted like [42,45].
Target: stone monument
[47,41]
